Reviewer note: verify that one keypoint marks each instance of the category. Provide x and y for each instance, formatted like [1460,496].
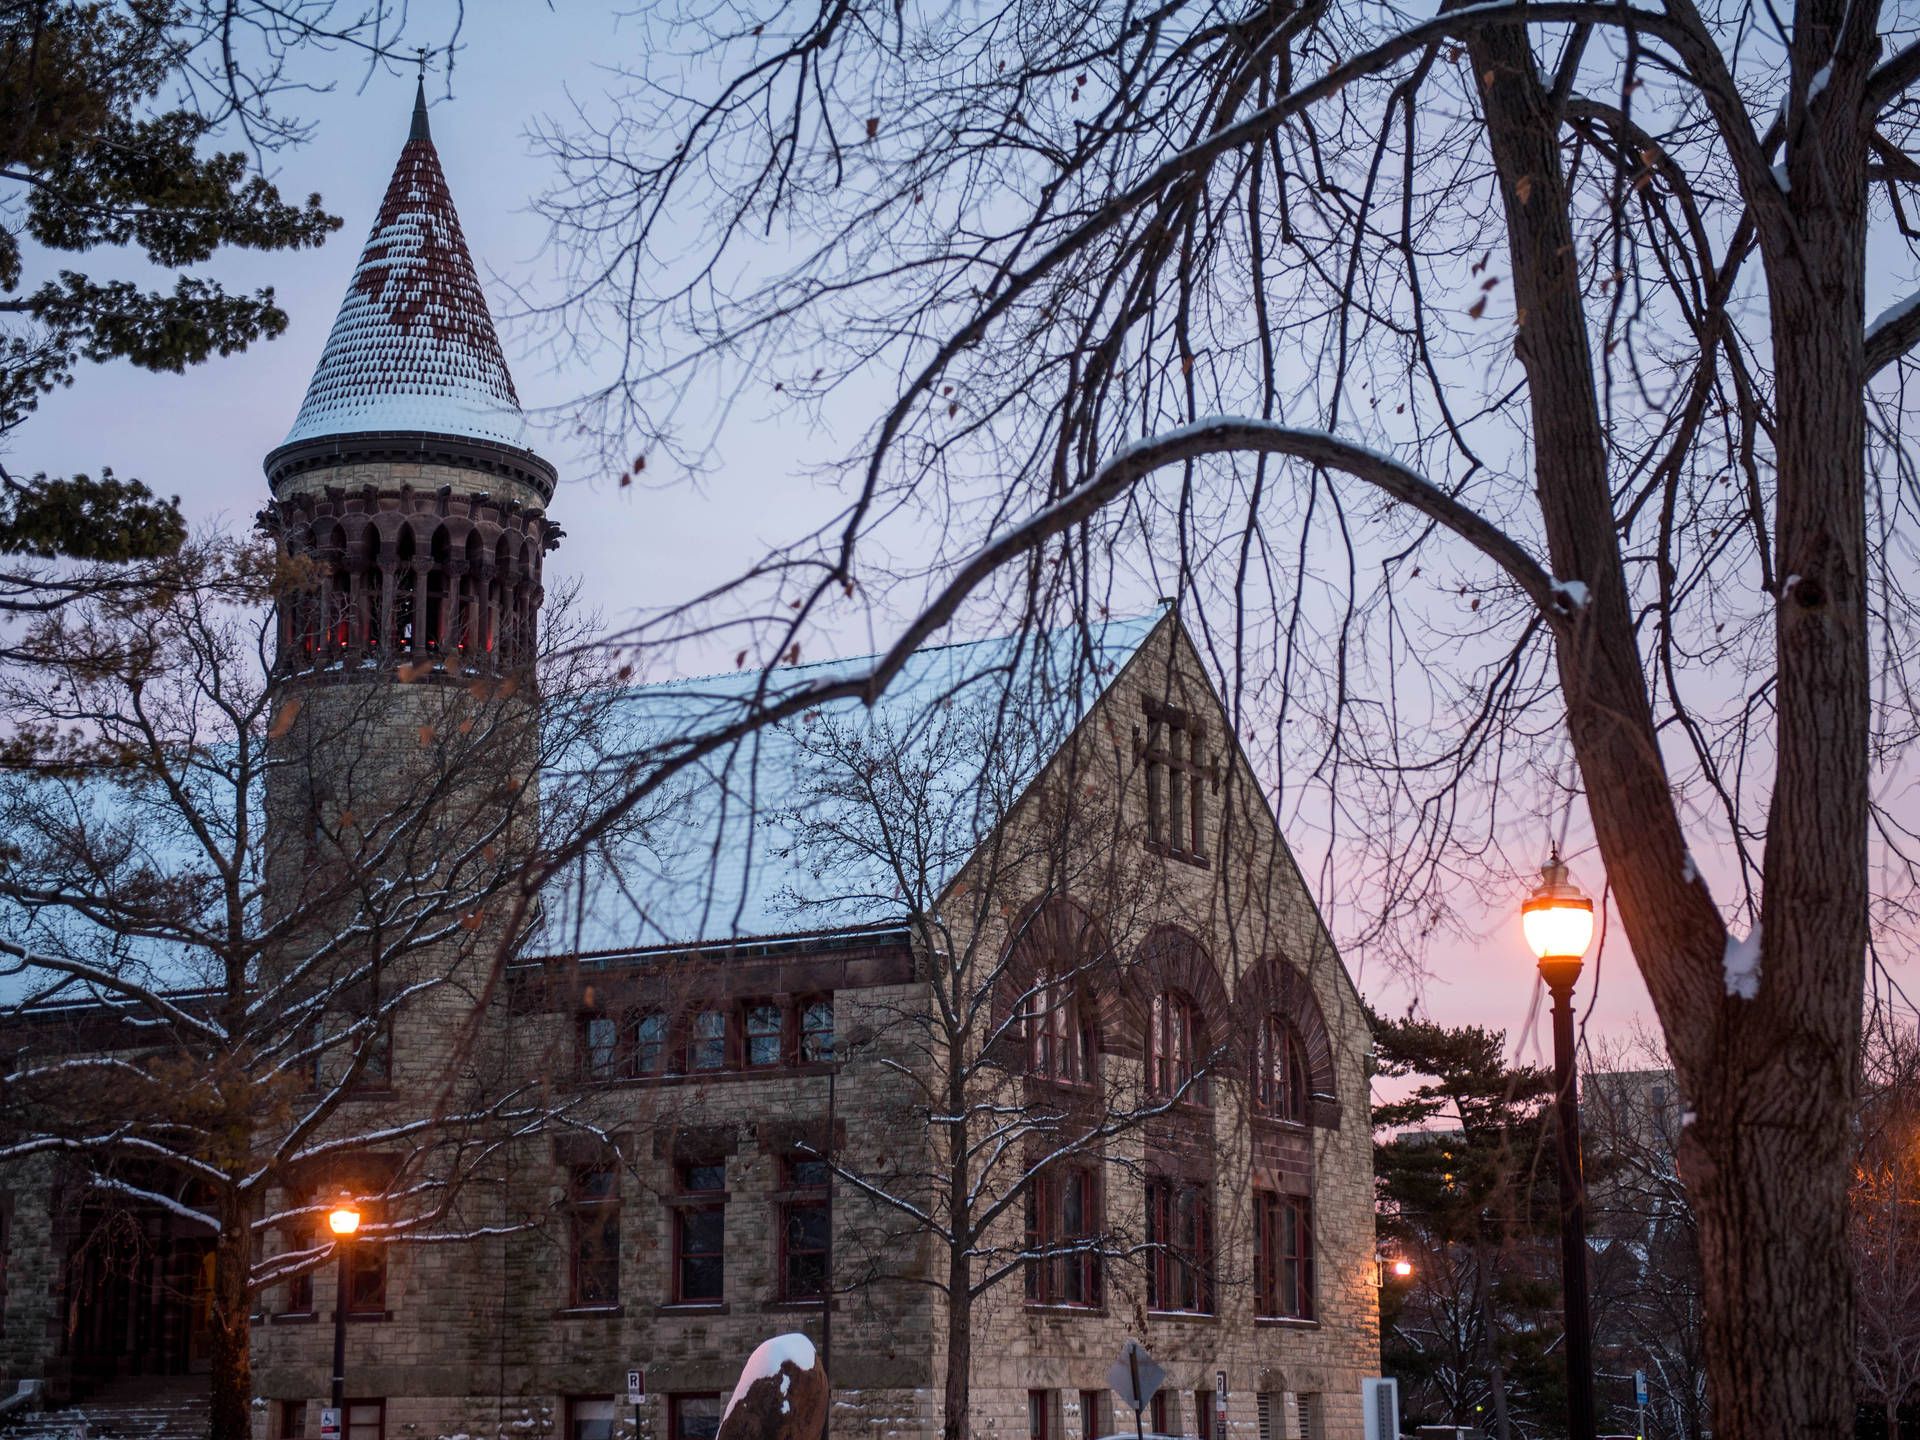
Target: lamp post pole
[1560,972]
[345,1242]
[343,1220]
[1558,920]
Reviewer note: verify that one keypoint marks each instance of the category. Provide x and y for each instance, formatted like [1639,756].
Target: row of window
[753,1035]
[1061,1042]
[1062,1045]
[1062,1239]
[693,1416]
[1048,1417]
[699,1205]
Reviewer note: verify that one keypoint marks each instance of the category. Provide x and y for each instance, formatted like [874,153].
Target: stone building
[1073,917]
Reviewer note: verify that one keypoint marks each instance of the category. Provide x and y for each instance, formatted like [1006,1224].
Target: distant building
[685,1214]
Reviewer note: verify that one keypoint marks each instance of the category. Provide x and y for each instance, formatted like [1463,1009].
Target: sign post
[329,1424]
[1219,1405]
[636,1392]
[1640,1404]
[1134,1377]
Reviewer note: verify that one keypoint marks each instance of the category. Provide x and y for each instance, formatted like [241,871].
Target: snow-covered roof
[735,850]
[413,348]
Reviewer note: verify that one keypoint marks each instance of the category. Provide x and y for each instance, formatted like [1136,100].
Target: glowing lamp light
[344,1218]
[1558,916]
[1402,1268]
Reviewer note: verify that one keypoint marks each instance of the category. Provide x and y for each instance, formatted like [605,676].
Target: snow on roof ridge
[413,347]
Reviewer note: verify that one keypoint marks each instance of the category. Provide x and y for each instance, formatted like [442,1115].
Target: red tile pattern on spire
[413,347]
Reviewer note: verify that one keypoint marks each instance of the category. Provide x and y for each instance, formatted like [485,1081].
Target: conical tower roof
[413,349]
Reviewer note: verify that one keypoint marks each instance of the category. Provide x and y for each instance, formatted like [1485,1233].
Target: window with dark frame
[1090,1403]
[1283,1256]
[650,1047]
[365,1420]
[700,1236]
[1203,1414]
[1061,1209]
[707,1041]
[694,1416]
[763,1033]
[293,1419]
[1158,1409]
[302,1235]
[1060,1042]
[1180,1237]
[1175,1035]
[590,1417]
[816,1030]
[314,1039]
[806,1236]
[366,1265]
[1280,1076]
[1180,773]
[1037,1408]
[600,1057]
[374,1054]
[805,1250]
[593,1194]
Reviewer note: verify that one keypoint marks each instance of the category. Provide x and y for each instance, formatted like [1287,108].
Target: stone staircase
[135,1407]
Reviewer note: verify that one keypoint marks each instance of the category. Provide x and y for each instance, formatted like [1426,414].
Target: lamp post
[1558,920]
[343,1220]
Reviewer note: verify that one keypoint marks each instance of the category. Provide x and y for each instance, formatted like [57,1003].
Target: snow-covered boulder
[782,1394]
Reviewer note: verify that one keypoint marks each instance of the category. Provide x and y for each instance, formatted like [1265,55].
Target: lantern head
[1558,916]
[344,1218]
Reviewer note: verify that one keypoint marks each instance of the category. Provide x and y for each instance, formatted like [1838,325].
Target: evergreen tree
[106,111]
[1466,1189]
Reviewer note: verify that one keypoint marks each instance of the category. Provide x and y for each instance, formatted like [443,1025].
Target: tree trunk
[1772,1078]
[231,1383]
[1490,1329]
[1767,1160]
[958,1417]
[959,1347]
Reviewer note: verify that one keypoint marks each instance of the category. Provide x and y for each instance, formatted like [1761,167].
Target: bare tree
[1510,370]
[256,930]
[996,857]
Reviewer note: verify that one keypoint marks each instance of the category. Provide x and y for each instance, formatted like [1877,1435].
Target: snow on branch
[155,1197]
[1892,333]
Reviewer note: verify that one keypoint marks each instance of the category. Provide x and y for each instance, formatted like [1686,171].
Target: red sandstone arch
[1055,936]
[1274,986]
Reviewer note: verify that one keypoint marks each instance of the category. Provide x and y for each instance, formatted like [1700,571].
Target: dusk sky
[203,435]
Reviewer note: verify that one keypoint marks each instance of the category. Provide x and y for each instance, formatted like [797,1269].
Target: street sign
[1135,1376]
[1639,1387]
[1220,1404]
[636,1386]
[329,1424]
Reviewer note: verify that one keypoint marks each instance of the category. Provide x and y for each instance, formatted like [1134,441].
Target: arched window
[1175,1037]
[1280,1072]
[1059,1037]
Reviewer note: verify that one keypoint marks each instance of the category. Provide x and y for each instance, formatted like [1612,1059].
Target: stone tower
[411,520]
